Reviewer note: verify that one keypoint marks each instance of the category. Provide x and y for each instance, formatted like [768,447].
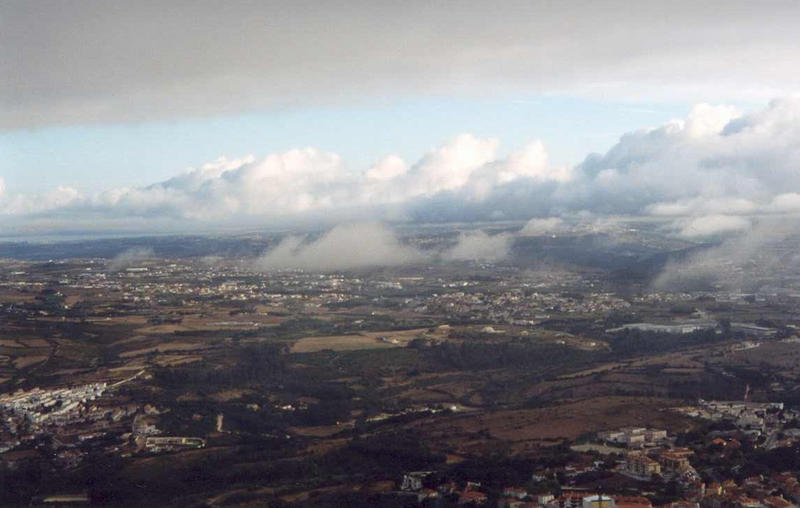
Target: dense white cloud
[702,205]
[714,162]
[544,226]
[21,204]
[450,166]
[788,203]
[288,183]
[387,168]
[710,225]
[708,120]
[532,162]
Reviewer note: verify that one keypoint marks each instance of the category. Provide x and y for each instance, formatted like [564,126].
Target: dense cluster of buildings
[26,415]
[63,420]
[57,405]
[520,307]
[503,300]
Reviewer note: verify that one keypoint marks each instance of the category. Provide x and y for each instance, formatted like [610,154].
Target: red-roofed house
[632,502]
[472,497]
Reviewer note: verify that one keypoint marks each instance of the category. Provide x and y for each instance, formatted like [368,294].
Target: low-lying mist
[762,257]
[370,245]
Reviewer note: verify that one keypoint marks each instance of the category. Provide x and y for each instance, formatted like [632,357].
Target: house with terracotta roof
[632,502]
[472,497]
[640,465]
[729,484]
[675,461]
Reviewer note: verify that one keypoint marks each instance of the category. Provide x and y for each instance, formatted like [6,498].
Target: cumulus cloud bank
[707,171]
[309,181]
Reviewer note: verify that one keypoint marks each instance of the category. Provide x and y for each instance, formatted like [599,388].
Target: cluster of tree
[384,455]
[255,363]
[487,355]
[633,342]
[777,459]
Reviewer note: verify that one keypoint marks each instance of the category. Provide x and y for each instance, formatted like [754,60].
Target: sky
[211,115]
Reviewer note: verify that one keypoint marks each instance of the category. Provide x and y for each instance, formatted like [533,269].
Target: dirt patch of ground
[34,342]
[338,343]
[366,340]
[422,396]
[119,320]
[779,355]
[229,395]
[165,348]
[27,361]
[592,371]
[321,431]
[212,321]
[172,361]
[71,300]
